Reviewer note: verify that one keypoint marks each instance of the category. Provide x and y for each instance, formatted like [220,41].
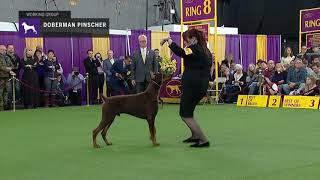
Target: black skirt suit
[195,79]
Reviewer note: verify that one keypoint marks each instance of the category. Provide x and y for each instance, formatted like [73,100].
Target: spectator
[52,70]
[39,48]
[288,56]
[91,65]
[75,79]
[309,70]
[280,76]
[5,71]
[268,73]
[296,78]
[30,77]
[143,62]
[119,72]
[40,70]
[158,58]
[232,68]
[303,53]
[228,61]
[16,63]
[311,88]
[316,70]
[107,64]
[315,60]
[101,78]
[251,75]
[259,80]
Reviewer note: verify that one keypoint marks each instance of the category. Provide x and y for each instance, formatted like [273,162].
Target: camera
[57,66]
[76,73]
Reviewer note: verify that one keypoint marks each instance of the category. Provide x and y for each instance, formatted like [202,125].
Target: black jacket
[91,66]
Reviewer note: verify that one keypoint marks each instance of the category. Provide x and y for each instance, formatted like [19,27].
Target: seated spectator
[238,83]
[316,70]
[279,77]
[296,79]
[288,56]
[303,53]
[315,60]
[258,81]
[75,79]
[306,65]
[228,61]
[251,75]
[311,88]
[118,80]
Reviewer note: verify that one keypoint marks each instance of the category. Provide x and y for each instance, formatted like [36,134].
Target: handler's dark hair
[199,35]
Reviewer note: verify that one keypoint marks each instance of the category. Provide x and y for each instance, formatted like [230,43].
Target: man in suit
[143,62]
[119,74]
[107,64]
[158,58]
[91,65]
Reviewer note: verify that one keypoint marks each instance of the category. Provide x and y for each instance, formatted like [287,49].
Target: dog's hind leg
[95,132]
[105,130]
[152,130]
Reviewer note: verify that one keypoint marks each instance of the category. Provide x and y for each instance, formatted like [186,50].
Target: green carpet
[247,143]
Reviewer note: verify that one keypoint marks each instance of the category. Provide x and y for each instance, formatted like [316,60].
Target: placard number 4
[207,7]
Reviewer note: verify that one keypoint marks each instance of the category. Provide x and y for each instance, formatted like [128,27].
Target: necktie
[144,56]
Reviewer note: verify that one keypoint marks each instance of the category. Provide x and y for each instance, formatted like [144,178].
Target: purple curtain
[62,49]
[248,50]
[176,37]
[13,38]
[80,47]
[118,45]
[134,43]
[233,47]
[274,47]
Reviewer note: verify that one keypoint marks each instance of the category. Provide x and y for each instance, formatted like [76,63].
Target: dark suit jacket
[91,66]
[119,68]
[107,68]
[140,71]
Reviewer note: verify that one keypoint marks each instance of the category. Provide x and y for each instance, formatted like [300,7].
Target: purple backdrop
[176,37]
[233,46]
[134,43]
[118,45]
[248,50]
[274,47]
[13,38]
[62,49]
[80,47]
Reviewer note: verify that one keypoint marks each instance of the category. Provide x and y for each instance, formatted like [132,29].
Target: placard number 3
[207,7]
[312,103]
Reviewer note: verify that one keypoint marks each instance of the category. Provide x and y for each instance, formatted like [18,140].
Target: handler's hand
[165,40]
[133,82]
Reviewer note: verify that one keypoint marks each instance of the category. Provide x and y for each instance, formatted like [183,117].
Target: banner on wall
[310,20]
[197,10]
[312,40]
[205,28]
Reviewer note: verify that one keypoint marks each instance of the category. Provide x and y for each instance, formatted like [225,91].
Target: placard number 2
[207,7]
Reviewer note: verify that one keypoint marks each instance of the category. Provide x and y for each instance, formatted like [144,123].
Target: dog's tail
[104,98]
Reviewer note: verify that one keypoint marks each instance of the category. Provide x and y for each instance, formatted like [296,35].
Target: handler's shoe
[200,145]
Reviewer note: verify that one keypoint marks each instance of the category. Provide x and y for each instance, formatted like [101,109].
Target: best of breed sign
[301,102]
[197,10]
[310,20]
[257,101]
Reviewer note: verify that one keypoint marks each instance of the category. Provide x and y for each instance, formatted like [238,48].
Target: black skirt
[192,93]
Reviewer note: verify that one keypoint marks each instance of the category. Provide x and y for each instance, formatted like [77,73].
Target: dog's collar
[156,83]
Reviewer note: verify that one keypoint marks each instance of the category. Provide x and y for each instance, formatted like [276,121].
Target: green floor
[247,143]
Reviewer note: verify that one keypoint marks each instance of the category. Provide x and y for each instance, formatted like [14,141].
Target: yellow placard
[242,100]
[257,101]
[274,101]
[310,102]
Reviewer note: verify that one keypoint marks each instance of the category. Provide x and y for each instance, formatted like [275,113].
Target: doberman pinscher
[142,105]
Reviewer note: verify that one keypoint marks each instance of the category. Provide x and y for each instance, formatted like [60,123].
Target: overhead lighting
[73,2]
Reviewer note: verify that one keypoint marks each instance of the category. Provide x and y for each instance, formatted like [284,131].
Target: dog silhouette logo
[27,27]
[173,88]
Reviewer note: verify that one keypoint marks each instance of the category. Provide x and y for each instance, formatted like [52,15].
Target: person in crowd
[311,88]
[279,78]
[288,56]
[195,80]
[91,65]
[303,53]
[143,62]
[306,65]
[118,80]
[316,50]
[232,68]
[101,79]
[315,59]
[40,70]
[16,63]
[107,64]
[39,48]
[251,75]
[5,72]
[158,58]
[259,78]
[228,61]
[238,83]
[76,80]
[52,71]
[268,73]
[296,78]
[316,70]
[31,79]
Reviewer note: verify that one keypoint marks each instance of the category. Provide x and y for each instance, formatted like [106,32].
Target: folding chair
[212,91]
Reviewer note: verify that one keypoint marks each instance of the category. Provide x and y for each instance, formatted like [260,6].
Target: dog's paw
[96,146]
[109,144]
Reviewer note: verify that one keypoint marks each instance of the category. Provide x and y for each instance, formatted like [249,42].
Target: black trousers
[101,83]
[141,86]
[109,89]
[93,88]
[75,97]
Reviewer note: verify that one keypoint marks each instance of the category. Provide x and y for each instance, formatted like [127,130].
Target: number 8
[207,6]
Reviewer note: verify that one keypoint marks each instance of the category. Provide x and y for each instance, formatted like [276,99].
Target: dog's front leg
[152,130]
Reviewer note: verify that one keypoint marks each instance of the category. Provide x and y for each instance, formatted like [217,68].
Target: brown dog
[143,105]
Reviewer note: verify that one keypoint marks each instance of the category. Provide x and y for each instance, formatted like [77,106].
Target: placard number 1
[207,7]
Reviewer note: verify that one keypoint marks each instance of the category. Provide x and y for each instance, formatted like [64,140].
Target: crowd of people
[40,81]
[292,75]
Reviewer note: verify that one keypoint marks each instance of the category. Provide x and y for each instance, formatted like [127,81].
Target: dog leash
[159,85]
